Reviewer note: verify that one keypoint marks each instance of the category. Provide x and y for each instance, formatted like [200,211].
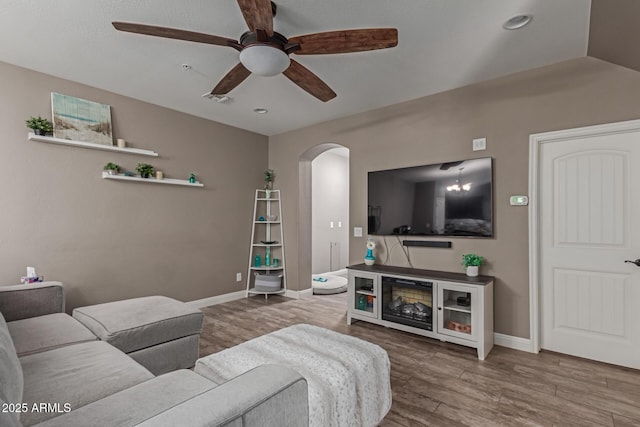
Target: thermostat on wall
[518,200]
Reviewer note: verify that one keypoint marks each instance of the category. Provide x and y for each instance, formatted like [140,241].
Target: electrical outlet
[238,277]
[357,231]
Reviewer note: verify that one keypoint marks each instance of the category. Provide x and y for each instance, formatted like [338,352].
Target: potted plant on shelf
[472,262]
[145,170]
[40,126]
[112,168]
[269,176]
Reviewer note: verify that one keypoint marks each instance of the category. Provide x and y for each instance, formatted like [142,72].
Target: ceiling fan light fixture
[220,99]
[264,60]
[517,22]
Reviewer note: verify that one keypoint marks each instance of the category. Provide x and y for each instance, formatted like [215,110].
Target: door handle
[636,262]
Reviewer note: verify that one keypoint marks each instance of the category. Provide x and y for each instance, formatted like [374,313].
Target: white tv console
[451,307]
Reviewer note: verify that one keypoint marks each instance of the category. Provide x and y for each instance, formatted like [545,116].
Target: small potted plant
[472,262]
[269,176]
[112,168]
[145,170]
[40,126]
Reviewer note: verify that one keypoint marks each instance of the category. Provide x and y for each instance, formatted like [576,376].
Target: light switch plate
[357,231]
[479,144]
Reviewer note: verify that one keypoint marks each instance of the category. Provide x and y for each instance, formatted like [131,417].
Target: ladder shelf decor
[266,274]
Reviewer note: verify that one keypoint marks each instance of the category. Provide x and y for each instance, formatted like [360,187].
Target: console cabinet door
[458,309]
[364,293]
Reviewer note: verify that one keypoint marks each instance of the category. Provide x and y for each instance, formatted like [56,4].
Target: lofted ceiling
[442,44]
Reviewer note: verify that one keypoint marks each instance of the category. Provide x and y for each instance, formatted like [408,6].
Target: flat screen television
[444,199]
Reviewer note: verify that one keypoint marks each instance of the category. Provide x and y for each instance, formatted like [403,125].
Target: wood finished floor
[440,384]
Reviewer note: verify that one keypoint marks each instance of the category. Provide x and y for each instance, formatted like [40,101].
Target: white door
[589,225]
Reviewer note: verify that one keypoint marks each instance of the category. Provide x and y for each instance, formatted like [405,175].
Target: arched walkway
[305,211]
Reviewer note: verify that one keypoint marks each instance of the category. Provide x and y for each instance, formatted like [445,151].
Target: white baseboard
[219,299]
[307,293]
[516,343]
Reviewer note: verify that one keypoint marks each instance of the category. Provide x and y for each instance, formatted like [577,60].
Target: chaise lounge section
[54,371]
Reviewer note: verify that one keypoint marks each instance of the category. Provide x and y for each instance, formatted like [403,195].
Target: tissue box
[268,282]
[27,279]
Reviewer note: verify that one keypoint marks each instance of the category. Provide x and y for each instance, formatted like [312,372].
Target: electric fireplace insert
[408,301]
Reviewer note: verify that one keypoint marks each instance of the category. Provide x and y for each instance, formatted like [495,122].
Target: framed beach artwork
[81,120]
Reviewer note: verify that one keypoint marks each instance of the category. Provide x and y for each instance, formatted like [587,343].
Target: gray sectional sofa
[54,371]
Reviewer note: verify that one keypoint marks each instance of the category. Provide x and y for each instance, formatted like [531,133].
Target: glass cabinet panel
[365,295]
[456,311]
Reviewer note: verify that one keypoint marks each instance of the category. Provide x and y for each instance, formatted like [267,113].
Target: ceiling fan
[266,52]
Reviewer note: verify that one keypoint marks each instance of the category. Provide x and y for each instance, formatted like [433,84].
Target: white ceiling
[442,44]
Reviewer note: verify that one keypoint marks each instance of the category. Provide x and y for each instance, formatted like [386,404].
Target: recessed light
[517,22]
[260,110]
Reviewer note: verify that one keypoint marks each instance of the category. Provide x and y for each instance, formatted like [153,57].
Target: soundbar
[427,243]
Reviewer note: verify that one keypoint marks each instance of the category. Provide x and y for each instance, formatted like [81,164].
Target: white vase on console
[472,271]
[369,259]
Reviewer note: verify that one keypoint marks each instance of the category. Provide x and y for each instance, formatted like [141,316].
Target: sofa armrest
[31,300]
[267,396]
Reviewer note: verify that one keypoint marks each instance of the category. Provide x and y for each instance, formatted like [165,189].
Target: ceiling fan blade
[258,15]
[173,33]
[232,79]
[345,41]
[309,81]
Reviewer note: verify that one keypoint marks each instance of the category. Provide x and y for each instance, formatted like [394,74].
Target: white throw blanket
[348,378]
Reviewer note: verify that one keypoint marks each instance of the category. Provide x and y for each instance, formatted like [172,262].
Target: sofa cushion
[269,395]
[169,356]
[31,300]
[11,381]
[47,332]
[139,323]
[137,403]
[76,375]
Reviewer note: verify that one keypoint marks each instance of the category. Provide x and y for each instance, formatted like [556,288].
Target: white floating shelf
[80,144]
[168,181]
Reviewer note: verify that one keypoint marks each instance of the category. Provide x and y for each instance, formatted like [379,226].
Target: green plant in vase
[472,263]
[112,168]
[39,125]
[269,176]
[145,170]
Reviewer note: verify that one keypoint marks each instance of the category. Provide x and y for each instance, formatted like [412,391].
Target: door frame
[536,142]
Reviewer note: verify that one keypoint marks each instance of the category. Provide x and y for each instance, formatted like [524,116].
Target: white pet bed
[336,282]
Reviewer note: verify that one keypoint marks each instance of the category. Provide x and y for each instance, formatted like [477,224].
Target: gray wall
[108,240]
[440,128]
[614,32]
